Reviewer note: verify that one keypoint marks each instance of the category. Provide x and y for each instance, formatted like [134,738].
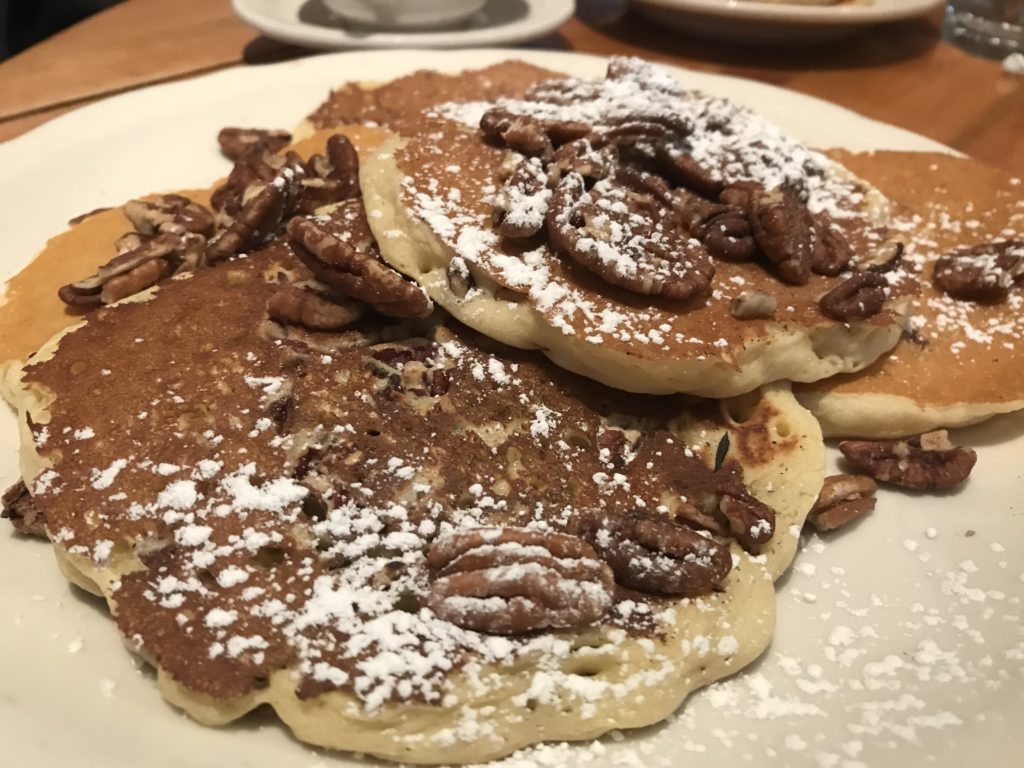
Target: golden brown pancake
[256,512]
[963,361]
[431,199]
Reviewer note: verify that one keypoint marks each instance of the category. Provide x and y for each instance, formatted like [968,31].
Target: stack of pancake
[459,454]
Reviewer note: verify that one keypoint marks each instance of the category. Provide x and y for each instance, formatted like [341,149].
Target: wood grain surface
[900,73]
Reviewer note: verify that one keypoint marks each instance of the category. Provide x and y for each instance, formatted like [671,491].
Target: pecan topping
[884,259]
[724,229]
[330,178]
[680,168]
[235,142]
[843,499]
[521,133]
[856,298]
[751,521]
[304,305]
[144,276]
[984,272]
[460,279]
[753,304]
[252,170]
[264,208]
[522,202]
[19,508]
[626,237]
[656,555]
[831,253]
[169,213]
[355,273]
[783,232]
[925,462]
[589,157]
[510,581]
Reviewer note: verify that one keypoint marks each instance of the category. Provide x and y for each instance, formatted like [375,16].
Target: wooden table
[900,73]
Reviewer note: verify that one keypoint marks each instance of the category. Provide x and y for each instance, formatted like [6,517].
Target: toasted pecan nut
[21,510]
[329,178]
[751,521]
[783,232]
[460,279]
[883,258]
[522,202]
[843,499]
[144,276]
[169,213]
[627,238]
[355,273]
[724,229]
[264,209]
[521,133]
[984,272]
[588,157]
[856,298]
[235,142]
[303,305]
[510,581]
[925,462]
[831,253]
[654,554]
[681,169]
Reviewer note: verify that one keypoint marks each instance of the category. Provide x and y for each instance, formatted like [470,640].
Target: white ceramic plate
[309,23]
[775,22]
[899,642]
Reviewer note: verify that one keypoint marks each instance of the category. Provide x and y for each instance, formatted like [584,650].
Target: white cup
[405,14]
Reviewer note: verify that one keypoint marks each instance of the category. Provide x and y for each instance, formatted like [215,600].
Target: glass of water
[986,27]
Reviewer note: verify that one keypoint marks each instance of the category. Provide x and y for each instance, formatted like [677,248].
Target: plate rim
[543,16]
[846,14]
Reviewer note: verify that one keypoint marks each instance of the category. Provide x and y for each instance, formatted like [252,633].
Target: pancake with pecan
[961,360]
[361,526]
[649,237]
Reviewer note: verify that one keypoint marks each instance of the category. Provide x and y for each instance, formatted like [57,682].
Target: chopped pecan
[510,581]
[355,273]
[884,258]
[21,510]
[627,238]
[169,213]
[522,202]
[856,298]
[306,306]
[654,554]
[753,304]
[460,279]
[235,142]
[783,232]
[925,462]
[831,253]
[984,272]
[843,499]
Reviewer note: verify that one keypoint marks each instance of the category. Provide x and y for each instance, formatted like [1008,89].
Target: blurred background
[26,22]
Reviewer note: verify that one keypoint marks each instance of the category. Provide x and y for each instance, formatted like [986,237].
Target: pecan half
[751,521]
[264,208]
[831,253]
[521,133]
[843,499]
[169,213]
[984,272]
[856,298]
[653,554]
[331,177]
[510,581]
[588,157]
[21,510]
[355,273]
[522,202]
[626,237]
[724,229]
[925,462]
[144,276]
[235,142]
[680,168]
[460,279]
[783,232]
[304,305]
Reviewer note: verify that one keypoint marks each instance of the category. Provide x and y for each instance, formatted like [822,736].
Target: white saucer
[309,23]
[778,22]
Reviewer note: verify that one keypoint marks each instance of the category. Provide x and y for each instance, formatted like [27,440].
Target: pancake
[432,196]
[963,361]
[394,104]
[256,508]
